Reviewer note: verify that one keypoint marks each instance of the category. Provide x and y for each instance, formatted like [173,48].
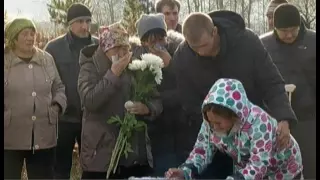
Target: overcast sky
[35,9]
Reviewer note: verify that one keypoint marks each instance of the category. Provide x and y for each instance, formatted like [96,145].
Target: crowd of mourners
[231,104]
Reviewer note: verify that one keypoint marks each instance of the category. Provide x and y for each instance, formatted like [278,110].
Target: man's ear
[215,31]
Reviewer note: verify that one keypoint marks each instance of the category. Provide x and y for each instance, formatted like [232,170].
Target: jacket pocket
[7,117]
[53,116]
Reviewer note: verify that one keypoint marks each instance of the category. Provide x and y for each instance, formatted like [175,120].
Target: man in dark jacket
[153,33]
[273,4]
[65,51]
[170,9]
[219,46]
[293,50]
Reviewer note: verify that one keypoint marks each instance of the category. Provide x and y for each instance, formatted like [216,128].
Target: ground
[75,171]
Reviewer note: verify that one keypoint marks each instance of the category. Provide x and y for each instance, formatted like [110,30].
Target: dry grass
[75,170]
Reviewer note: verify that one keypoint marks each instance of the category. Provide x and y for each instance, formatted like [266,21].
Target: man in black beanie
[293,50]
[65,51]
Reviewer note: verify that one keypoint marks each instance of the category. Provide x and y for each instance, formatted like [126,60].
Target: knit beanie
[148,22]
[286,15]
[273,4]
[78,11]
[14,27]
[113,36]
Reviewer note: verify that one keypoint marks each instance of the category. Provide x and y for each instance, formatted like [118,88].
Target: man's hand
[174,173]
[118,67]
[283,135]
[138,108]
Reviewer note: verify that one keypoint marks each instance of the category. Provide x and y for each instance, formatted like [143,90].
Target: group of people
[220,112]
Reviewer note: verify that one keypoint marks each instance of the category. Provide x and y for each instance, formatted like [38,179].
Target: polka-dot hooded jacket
[251,145]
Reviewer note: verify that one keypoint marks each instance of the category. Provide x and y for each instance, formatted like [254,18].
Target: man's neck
[216,46]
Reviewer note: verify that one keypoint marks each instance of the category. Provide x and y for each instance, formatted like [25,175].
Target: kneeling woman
[232,124]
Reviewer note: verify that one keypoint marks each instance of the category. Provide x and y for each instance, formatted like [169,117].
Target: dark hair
[158,33]
[219,110]
[170,3]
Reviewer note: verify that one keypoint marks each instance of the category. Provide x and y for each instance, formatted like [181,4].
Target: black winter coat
[243,57]
[297,64]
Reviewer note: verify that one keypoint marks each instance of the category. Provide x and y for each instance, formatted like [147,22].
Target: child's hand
[174,173]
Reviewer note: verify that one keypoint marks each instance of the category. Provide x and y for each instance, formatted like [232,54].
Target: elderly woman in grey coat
[34,97]
[104,87]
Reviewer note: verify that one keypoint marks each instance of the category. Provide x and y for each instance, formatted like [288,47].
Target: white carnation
[134,65]
[137,65]
[153,60]
[128,104]
[155,64]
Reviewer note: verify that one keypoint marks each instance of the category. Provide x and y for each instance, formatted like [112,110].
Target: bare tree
[196,4]
[220,4]
[235,5]
[104,11]
[243,10]
[307,9]
[249,13]
[189,7]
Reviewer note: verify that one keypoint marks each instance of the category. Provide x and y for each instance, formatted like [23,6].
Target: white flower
[153,60]
[155,64]
[137,65]
[128,104]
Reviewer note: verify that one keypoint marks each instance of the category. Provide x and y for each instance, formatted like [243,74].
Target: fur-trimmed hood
[173,40]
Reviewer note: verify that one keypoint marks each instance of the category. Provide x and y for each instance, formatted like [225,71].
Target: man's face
[204,46]
[81,27]
[270,21]
[288,35]
[171,16]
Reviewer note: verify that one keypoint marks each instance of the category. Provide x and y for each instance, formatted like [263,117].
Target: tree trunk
[221,4]
[235,5]
[249,13]
[189,8]
[196,5]
[242,8]
[264,17]
[111,10]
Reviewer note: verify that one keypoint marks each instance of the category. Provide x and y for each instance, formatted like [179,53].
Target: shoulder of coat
[45,57]
[266,35]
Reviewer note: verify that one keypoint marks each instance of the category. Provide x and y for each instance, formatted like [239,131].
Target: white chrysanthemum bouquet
[147,75]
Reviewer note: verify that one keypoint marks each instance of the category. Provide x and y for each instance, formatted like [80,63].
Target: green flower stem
[115,153]
[124,142]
